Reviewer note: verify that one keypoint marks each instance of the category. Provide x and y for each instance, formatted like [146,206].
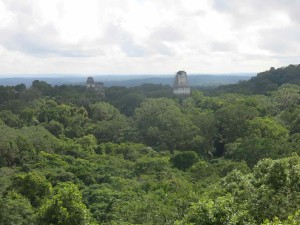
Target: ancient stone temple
[97,87]
[90,83]
[181,87]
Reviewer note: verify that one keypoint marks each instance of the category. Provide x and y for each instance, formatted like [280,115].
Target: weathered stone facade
[97,87]
[90,83]
[181,87]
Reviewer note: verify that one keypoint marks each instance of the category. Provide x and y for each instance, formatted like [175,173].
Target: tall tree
[162,124]
[64,208]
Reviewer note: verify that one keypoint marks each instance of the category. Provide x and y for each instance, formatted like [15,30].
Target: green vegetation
[142,156]
[266,81]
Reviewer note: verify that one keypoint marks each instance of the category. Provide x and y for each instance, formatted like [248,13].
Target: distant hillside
[194,80]
[266,81]
[130,81]
[12,81]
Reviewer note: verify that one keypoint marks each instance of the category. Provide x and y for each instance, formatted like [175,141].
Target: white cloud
[147,36]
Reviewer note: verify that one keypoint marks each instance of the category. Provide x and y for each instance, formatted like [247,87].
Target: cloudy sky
[147,36]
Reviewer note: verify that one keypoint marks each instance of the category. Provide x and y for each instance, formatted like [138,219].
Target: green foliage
[267,128]
[15,147]
[293,219]
[103,111]
[222,210]
[72,118]
[253,148]
[291,118]
[47,110]
[202,170]
[40,86]
[223,167]
[112,130]
[27,115]
[101,200]
[33,186]
[46,161]
[129,151]
[266,138]
[41,139]
[64,208]
[15,209]
[6,174]
[271,190]
[55,128]
[266,81]
[206,124]
[163,125]
[10,119]
[184,160]
[141,156]
[153,165]
[83,169]
[127,99]
[88,143]
[281,173]
[241,187]
[232,120]
[209,173]
[287,96]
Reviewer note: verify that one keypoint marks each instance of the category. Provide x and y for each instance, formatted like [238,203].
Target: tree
[287,95]
[207,125]
[33,186]
[154,165]
[41,139]
[40,86]
[10,119]
[15,209]
[27,115]
[254,148]
[15,147]
[267,128]
[20,87]
[264,137]
[271,190]
[184,160]
[101,200]
[55,128]
[64,208]
[291,119]
[88,143]
[293,219]
[277,188]
[240,186]
[103,111]
[115,130]
[223,210]
[232,120]
[161,124]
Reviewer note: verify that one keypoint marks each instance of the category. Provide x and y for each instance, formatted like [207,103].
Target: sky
[147,36]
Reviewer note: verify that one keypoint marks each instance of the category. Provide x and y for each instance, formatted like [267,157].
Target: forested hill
[139,155]
[265,82]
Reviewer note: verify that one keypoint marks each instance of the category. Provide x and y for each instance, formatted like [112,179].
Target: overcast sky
[147,36]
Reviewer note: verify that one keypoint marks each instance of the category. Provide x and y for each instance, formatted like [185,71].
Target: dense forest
[139,155]
[264,82]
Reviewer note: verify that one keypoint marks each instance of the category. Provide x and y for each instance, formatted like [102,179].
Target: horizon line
[49,75]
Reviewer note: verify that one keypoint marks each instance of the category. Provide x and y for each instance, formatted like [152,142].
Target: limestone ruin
[97,87]
[181,87]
